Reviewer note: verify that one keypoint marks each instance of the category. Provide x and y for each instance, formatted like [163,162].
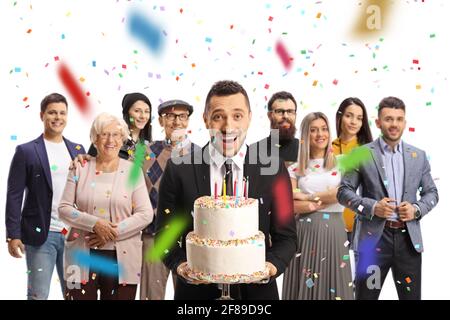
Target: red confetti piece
[64,231]
[282,197]
[335,82]
[415,61]
[283,54]
[412,130]
[266,86]
[56,58]
[317,166]
[29,30]
[270,18]
[74,89]
[334,173]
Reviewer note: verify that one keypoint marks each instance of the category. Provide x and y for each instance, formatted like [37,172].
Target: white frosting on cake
[222,223]
[234,257]
[226,245]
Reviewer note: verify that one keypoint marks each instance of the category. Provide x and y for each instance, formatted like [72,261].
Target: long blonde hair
[304,150]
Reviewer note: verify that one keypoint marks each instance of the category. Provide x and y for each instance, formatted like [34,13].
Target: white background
[97,31]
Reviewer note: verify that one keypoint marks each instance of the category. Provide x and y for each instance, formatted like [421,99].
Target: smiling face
[109,141]
[140,113]
[319,136]
[352,120]
[282,117]
[175,121]
[228,119]
[54,118]
[392,122]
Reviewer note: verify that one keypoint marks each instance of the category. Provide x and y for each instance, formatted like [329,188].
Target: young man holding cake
[227,167]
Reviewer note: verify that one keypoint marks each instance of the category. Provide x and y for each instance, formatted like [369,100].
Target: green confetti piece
[433,35]
[428,104]
[353,160]
[136,168]
[167,239]
[54,167]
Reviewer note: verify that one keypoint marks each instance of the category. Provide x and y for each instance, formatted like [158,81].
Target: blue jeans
[41,261]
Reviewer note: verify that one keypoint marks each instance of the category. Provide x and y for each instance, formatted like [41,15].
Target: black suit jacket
[183,183]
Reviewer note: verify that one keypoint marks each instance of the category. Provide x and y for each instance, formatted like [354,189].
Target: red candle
[215,190]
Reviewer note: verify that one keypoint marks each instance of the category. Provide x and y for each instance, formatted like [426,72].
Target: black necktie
[229,178]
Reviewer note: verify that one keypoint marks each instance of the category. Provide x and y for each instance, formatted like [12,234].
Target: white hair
[104,119]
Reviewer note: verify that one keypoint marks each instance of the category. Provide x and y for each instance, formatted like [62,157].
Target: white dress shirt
[217,168]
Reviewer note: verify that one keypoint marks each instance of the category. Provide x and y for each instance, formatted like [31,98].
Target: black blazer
[189,179]
[30,172]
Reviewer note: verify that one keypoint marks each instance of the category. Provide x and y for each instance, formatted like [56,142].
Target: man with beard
[282,115]
[387,232]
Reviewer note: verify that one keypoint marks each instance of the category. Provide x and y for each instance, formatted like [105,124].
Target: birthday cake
[226,245]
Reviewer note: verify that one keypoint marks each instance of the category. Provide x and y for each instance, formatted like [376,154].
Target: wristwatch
[417,213]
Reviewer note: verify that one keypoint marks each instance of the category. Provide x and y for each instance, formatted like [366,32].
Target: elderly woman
[106,213]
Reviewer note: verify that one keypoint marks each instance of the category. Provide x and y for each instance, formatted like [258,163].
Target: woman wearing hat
[136,111]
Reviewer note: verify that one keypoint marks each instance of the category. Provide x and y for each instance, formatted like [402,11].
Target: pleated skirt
[321,269]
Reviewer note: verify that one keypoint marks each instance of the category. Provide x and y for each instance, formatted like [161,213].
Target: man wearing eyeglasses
[282,114]
[174,118]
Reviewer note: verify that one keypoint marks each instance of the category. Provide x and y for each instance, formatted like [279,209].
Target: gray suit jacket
[370,176]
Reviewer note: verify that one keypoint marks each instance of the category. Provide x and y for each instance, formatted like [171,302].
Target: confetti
[136,170]
[38,229]
[356,158]
[70,83]
[282,52]
[309,283]
[282,195]
[97,263]
[326,216]
[145,31]
[167,239]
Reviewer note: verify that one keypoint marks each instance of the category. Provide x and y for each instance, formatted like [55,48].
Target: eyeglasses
[280,112]
[173,116]
[114,135]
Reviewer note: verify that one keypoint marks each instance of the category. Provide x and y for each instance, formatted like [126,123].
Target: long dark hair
[364,135]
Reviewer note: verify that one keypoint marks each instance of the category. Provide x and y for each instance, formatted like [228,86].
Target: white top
[317,179]
[59,161]
[217,168]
